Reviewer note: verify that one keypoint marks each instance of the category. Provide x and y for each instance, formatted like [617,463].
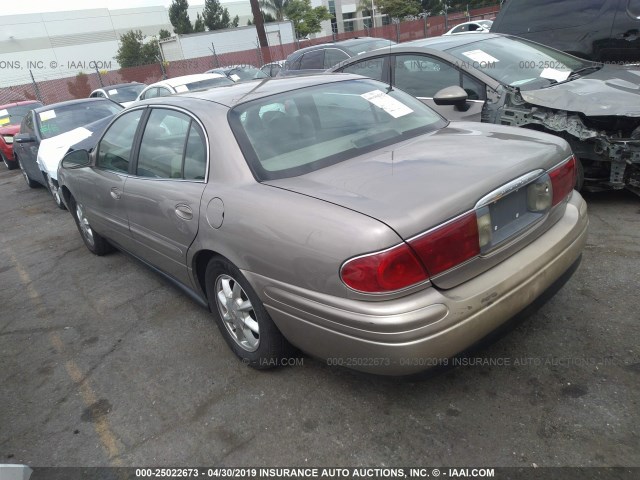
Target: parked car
[123,93]
[476,26]
[47,122]
[183,84]
[318,58]
[11,115]
[239,73]
[333,214]
[52,150]
[272,69]
[600,30]
[511,81]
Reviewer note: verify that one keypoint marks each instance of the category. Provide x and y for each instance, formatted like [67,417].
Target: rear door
[163,196]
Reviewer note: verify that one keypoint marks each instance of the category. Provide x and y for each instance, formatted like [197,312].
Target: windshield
[14,115]
[63,119]
[204,84]
[127,93]
[518,62]
[303,130]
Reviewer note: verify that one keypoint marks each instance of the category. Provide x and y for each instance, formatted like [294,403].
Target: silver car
[333,214]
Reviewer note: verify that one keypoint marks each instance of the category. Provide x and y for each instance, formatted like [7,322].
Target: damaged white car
[511,81]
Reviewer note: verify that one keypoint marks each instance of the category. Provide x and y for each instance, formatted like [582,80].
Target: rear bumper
[412,333]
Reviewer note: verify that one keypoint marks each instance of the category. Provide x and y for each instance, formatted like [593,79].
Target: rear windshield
[245,73]
[59,120]
[204,84]
[126,93]
[14,115]
[300,131]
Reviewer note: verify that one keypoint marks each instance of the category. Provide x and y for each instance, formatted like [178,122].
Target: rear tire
[96,244]
[241,317]
[31,183]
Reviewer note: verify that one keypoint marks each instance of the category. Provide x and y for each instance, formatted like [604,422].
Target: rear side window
[333,56]
[524,16]
[312,60]
[371,67]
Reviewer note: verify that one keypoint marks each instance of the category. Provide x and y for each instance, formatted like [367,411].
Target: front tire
[241,317]
[96,244]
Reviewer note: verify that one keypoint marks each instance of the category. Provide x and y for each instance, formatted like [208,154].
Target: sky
[15,7]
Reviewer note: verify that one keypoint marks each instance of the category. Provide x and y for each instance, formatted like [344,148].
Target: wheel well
[200,262]
[66,194]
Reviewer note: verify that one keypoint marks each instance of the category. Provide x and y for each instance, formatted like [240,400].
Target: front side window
[114,150]
[172,146]
[423,76]
[307,129]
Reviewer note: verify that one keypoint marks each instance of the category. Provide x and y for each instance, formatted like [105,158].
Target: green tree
[80,87]
[277,7]
[163,34]
[179,17]
[235,21]
[215,15]
[198,25]
[306,19]
[134,50]
[399,8]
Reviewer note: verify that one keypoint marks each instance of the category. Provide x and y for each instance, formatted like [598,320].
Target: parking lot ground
[103,363]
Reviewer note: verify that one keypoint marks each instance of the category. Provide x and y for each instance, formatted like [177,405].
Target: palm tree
[276,7]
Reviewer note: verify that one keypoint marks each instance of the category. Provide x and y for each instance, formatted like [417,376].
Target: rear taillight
[448,245]
[385,271]
[563,179]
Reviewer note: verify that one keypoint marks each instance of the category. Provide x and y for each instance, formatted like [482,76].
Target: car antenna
[390,89]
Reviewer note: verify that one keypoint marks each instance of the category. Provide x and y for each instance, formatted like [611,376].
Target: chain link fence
[48,89]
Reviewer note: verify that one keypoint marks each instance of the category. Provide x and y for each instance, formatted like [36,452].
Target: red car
[11,116]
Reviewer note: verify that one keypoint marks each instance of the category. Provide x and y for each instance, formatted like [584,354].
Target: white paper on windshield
[47,115]
[4,113]
[234,77]
[389,104]
[182,88]
[480,56]
[113,91]
[553,74]
[52,150]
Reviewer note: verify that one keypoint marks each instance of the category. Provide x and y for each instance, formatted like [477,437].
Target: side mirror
[76,159]
[452,96]
[24,138]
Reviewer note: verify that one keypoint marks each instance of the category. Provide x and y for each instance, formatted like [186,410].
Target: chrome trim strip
[506,189]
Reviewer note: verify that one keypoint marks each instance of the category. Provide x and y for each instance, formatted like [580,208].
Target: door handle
[116,193]
[184,211]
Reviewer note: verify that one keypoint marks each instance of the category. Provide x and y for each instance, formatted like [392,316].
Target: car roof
[232,95]
[184,79]
[350,42]
[71,102]
[449,41]
[16,104]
